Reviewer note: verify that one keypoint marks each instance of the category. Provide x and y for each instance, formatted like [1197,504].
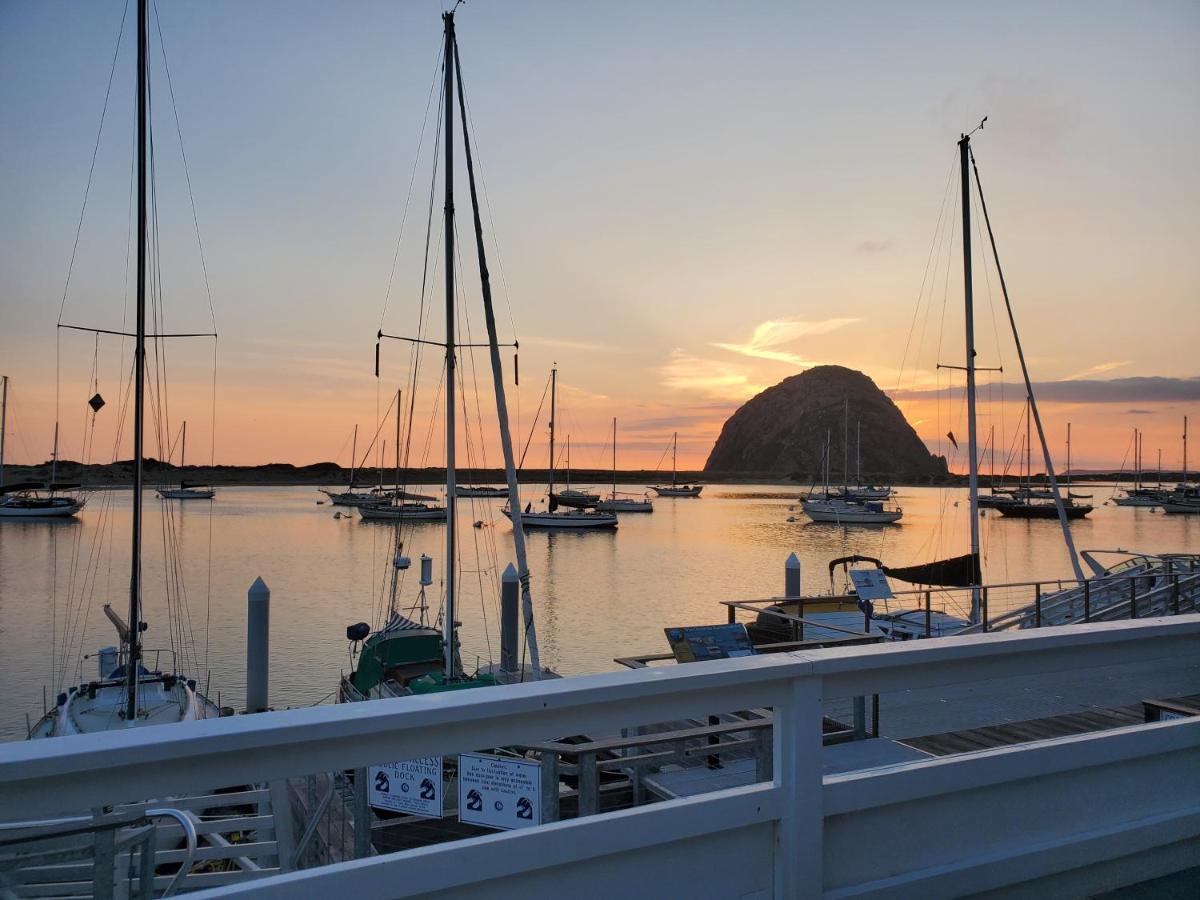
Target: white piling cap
[510,574]
[793,561]
[259,589]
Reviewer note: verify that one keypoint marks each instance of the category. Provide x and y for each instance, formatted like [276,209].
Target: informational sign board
[498,791]
[871,584]
[701,642]
[413,786]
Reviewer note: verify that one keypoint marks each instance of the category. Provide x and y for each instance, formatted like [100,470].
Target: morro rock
[782,432]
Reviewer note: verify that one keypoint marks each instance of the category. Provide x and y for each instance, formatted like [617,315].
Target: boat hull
[39,511]
[425,514]
[481,492]
[576,499]
[186,494]
[1042,511]
[564,520]
[678,491]
[625,506]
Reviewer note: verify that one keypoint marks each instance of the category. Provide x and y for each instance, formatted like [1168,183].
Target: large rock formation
[782,432]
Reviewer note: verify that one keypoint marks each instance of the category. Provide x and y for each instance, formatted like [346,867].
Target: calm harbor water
[597,595]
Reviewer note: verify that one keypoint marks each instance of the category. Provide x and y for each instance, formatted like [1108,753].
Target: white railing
[1071,815]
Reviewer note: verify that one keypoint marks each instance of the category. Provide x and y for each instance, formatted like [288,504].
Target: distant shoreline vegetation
[120,475]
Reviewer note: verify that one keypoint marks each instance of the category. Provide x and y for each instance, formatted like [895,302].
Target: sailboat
[398,503]
[1186,496]
[674,489]
[408,654]
[569,496]
[553,517]
[33,499]
[125,693]
[350,496]
[1139,494]
[622,504]
[842,508]
[1027,506]
[186,491]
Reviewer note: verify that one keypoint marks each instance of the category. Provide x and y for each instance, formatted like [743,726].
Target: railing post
[762,756]
[732,615]
[362,816]
[1087,601]
[1133,597]
[146,864]
[860,718]
[1037,605]
[928,614]
[984,604]
[1175,593]
[713,761]
[589,785]
[550,786]
[797,769]
[104,860]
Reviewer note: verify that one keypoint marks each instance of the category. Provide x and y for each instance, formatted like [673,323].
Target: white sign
[499,792]
[413,786]
[871,584]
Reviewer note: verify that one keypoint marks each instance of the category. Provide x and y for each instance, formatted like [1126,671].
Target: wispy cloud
[1098,369]
[683,372]
[873,246]
[771,336]
[570,344]
[1149,389]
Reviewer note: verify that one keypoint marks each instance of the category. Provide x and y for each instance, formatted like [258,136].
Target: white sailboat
[186,491]
[124,693]
[674,489]
[553,517]
[841,508]
[33,499]
[569,496]
[399,504]
[618,504]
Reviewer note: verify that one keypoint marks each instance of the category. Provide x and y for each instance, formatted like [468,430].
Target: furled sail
[958,571]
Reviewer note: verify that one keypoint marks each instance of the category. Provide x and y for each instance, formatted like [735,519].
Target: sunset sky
[691,201]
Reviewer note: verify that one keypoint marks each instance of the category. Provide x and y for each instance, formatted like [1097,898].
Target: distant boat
[350,496]
[478,491]
[553,517]
[576,499]
[1033,505]
[396,503]
[674,489]
[622,504]
[1138,495]
[186,491]
[842,508]
[32,499]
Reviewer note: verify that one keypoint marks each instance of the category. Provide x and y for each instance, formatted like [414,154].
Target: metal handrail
[189,831]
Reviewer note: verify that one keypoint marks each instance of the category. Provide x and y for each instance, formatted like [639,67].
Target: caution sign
[413,787]
[499,792]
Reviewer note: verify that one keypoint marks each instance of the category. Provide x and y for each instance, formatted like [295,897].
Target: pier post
[258,645]
[791,591]
[510,598]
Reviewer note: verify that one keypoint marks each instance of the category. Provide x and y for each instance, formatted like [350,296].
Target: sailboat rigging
[615,503]
[186,491]
[407,656]
[126,693]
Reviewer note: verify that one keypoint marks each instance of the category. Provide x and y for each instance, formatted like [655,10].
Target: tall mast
[3,421]
[448,630]
[858,452]
[969,299]
[675,450]
[553,405]
[183,449]
[1160,466]
[398,443]
[1185,469]
[614,458]
[1028,448]
[1137,459]
[1068,459]
[139,373]
[510,466]
[568,462]
[353,456]
[845,443]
